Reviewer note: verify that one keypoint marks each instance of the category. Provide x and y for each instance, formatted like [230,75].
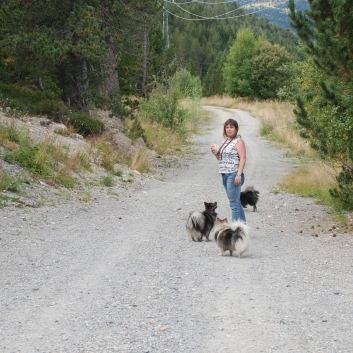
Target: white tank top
[228,156]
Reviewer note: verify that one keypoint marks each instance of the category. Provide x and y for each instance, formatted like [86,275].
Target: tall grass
[103,152]
[141,160]
[313,180]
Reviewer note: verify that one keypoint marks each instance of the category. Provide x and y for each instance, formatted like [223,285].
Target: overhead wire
[214,17]
[204,18]
[200,2]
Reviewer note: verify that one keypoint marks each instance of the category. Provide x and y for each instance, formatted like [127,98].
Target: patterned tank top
[228,156]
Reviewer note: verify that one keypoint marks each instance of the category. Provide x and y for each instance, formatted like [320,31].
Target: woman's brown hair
[230,122]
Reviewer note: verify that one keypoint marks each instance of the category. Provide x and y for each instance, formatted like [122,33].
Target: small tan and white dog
[232,236]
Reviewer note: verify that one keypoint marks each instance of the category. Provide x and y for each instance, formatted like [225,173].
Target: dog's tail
[195,224]
[251,189]
[240,236]
[224,234]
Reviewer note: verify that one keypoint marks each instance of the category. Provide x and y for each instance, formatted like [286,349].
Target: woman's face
[231,131]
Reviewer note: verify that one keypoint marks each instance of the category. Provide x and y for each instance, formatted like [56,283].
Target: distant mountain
[276,11]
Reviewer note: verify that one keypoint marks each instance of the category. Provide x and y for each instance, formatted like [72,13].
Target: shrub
[56,110]
[107,181]
[165,103]
[7,182]
[23,155]
[85,125]
[136,130]
[186,85]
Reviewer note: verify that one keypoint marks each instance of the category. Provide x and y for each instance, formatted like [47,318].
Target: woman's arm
[214,151]
[240,147]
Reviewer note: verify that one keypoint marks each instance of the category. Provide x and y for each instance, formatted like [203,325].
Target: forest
[64,58]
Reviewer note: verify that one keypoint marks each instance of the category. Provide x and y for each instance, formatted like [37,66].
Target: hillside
[275,11]
[199,32]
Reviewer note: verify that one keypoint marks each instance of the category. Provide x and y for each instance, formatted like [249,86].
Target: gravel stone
[118,273]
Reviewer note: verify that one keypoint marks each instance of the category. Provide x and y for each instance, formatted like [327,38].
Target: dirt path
[121,275]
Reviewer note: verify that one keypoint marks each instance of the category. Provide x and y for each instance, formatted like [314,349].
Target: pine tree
[326,113]
[213,83]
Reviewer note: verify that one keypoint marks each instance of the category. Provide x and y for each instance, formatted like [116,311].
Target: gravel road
[122,276]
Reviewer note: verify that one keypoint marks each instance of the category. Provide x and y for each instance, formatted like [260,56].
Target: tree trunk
[78,85]
[111,83]
[145,58]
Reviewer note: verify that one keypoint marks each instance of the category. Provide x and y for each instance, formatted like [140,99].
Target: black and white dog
[199,224]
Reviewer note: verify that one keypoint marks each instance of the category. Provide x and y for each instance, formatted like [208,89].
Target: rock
[122,143]
[45,122]
[140,142]
[55,126]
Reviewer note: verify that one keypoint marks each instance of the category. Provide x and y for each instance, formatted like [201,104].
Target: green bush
[30,156]
[17,97]
[107,181]
[186,85]
[32,101]
[85,125]
[163,107]
[7,182]
[172,103]
[56,110]
[136,130]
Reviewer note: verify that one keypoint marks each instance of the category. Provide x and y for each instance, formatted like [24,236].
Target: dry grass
[308,180]
[220,101]
[162,140]
[103,153]
[141,160]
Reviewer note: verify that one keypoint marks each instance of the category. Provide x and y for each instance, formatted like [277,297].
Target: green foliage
[32,101]
[186,85]
[65,49]
[238,64]
[266,78]
[191,67]
[108,181]
[213,83]
[202,41]
[85,125]
[344,188]
[8,182]
[324,100]
[29,156]
[164,105]
[136,130]
[251,67]
[56,110]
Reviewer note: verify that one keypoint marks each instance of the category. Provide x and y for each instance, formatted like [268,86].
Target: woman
[232,156]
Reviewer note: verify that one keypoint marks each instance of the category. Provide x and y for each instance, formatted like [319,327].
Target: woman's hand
[237,180]
[214,149]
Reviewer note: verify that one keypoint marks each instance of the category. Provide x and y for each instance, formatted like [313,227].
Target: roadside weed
[107,181]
